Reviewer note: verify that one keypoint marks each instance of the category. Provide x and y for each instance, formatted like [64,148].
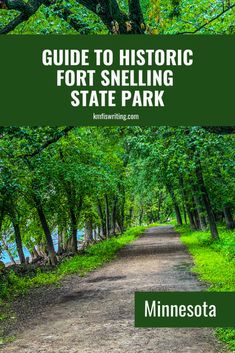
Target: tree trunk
[73,216]
[136,17]
[184,214]
[42,250]
[176,206]
[73,222]
[71,197]
[95,234]
[191,219]
[200,210]
[8,251]
[196,219]
[206,200]
[114,214]
[178,214]
[14,219]
[61,241]
[88,230]
[122,201]
[110,14]
[45,227]
[187,204]
[195,214]
[34,253]
[228,217]
[18,240]
[160,197]
[107,215]
[141,215]
[101,215]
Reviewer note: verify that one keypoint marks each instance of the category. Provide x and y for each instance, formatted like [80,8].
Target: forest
[117,17]
[102,180]
[72,197]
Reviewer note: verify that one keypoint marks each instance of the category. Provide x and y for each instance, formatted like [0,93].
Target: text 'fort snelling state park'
[137,69]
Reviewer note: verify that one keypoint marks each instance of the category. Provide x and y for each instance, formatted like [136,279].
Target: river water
[6,259]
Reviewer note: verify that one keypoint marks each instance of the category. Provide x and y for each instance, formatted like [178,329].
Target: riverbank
[13,285]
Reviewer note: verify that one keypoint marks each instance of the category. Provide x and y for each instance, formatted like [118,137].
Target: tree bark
[122,201]
[141,215]
[88,230]
[73,222]
[45,227]
[61,241]
[178,214]
[18,241]
[107,215]
[160,197]
[196,218]
[26,11]
[110,14]
[71,197]
[195,213]
[187,204]
[14,219]
[175,204]
[136,17]
[191,219]
[198,203]
[116,21]
[185,214]
[206,200]
[228,217]
[114,214]
[34,253]
[102,218]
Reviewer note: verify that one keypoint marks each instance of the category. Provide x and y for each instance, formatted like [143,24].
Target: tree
[116,20]
[116,17]
[57,182]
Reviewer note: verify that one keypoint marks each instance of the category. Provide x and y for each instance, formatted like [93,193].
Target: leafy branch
[26,11]
[30,8]
[109,12]
[208,22]
[49,142]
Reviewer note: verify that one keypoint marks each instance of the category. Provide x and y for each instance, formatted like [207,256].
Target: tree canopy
[55,181]
[117,17]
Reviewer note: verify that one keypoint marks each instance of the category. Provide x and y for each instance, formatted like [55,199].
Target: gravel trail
[95,314]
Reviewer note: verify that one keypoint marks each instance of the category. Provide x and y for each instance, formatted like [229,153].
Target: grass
[215,264]
[95,256]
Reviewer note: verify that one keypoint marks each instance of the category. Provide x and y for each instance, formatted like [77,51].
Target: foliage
[95,256]
[214,261]
[103,180]
[215,264]
[161,17]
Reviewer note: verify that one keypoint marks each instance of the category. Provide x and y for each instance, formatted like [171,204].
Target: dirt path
[95,314]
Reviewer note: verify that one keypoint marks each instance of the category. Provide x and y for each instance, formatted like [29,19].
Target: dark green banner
[184,309]
[201,93]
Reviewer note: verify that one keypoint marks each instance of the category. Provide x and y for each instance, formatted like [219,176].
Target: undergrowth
[215,264]
[95,255]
